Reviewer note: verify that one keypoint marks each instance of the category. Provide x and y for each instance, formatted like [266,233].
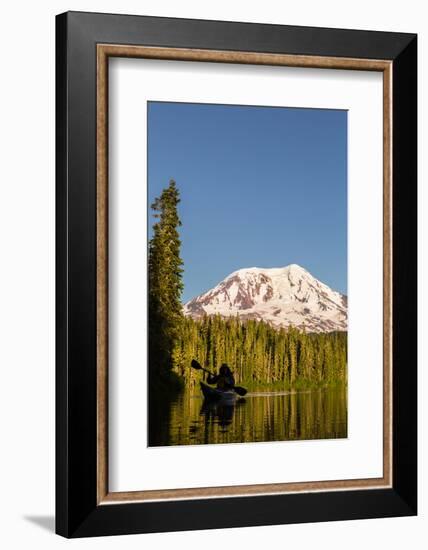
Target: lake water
[270,416]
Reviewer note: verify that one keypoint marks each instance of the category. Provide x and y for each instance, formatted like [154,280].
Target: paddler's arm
[212,378]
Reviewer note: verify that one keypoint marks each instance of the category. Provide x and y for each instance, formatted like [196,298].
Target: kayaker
[224,379]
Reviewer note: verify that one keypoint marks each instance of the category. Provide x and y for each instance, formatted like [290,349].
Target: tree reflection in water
[188,420]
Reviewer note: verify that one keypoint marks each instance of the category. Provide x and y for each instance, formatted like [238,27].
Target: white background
[133,466]
[27,273]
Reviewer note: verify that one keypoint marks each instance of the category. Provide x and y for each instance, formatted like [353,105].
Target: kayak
[214,394]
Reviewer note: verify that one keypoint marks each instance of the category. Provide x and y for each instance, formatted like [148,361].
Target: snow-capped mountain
[280,296]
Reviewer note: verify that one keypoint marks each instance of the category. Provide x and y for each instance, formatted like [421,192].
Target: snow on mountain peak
[280,296]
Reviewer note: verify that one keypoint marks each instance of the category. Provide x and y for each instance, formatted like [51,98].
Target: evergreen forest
[259,355]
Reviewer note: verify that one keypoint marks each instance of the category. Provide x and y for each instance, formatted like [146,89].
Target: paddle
[238,389]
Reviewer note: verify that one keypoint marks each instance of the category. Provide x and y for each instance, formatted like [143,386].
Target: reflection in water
[189,420]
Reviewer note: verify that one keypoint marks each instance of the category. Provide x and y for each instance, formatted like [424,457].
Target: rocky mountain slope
[279,296]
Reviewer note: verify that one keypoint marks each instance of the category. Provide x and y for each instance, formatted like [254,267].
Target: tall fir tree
[165,286]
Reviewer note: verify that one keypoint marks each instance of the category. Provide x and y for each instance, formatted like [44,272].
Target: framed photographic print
[236,274]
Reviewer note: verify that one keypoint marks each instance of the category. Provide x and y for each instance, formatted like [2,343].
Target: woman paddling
[224,380]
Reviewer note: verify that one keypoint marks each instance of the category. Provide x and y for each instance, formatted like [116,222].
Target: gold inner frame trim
[104,51]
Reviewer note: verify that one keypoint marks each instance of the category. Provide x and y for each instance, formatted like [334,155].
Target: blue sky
[260,187]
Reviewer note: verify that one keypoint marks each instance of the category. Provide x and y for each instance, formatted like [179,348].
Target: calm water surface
[189,420]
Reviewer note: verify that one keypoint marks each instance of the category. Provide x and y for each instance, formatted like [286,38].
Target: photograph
[247,273]
[212,275]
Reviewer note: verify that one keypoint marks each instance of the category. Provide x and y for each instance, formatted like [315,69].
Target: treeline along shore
[259,355]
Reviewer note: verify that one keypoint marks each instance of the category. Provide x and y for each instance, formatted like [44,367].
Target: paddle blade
[240,391]
[196,365]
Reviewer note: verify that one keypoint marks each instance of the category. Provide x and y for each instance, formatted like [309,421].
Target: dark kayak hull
[213,394]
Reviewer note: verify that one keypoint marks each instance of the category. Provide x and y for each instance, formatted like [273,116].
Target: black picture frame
[77,511]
